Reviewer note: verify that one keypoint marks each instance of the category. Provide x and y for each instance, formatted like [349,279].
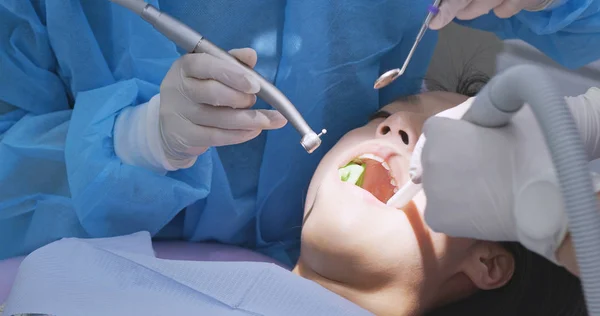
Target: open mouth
[371,173]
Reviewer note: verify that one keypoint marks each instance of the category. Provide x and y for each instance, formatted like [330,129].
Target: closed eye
[379,114]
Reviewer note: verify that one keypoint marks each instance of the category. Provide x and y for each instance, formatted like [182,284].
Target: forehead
[427,103]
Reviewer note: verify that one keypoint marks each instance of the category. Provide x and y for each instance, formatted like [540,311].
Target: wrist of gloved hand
[138,142]
[540,218]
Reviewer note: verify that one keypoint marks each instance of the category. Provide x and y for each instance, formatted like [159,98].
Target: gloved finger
[537,5]
[201,136]
[204,66]
[509,8]
[445,135]
[246,55]
[415,169]
[477,8]
[216,93]
[236,119]
[447,12]
[448,142]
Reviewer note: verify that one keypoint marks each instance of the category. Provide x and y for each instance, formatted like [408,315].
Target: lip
[378,148]
[370,147]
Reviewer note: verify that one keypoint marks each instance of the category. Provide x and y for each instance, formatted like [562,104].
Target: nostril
[404,137]
[385,130]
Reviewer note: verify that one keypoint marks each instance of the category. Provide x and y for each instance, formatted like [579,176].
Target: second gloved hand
[205,101]
[499,184]
[471,9]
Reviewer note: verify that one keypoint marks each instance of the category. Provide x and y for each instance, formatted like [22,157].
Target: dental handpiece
[191,41]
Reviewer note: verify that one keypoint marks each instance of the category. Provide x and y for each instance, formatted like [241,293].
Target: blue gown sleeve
[112,198]
[65,78]
[35,207]
[568,33]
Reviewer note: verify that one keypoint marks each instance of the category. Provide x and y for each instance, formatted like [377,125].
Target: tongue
[377,180]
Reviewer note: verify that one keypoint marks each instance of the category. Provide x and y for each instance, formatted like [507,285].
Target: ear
[489,265]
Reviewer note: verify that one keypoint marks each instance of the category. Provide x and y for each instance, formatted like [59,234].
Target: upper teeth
[371,156]
[386,166]
[376,158]
[383,163]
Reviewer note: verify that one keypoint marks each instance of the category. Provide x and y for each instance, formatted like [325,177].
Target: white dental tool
[192,41]
[413,186]
[408,191]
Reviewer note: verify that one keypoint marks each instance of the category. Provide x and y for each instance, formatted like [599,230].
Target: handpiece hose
[191,41]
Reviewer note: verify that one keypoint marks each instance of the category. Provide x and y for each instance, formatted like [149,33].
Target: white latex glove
[205,101]
[471,9]
[499,184]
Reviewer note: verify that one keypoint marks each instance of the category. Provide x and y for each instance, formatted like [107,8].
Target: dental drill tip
[323,132]
[310,142]
[136,6]
[387,78]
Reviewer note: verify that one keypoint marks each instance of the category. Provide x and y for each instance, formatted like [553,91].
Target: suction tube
[502,97]
[191,41]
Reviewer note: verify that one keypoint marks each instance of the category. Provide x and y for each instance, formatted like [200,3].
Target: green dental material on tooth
[353,173]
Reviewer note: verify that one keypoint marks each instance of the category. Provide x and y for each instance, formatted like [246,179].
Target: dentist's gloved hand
[205,101]
[499,184]
[471,9]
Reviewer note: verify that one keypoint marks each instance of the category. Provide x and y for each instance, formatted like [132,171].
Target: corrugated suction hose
[502,97]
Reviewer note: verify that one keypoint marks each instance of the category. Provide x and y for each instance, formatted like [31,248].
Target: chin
[350,225]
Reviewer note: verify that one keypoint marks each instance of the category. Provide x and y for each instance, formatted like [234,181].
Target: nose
[397,130]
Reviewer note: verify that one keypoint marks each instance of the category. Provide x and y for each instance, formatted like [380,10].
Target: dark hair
[468,82]
[538,287]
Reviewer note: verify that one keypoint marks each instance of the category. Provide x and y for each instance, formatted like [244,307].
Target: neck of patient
[394,297]
[381,298]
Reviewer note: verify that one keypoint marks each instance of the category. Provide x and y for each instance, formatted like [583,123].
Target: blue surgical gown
[67,69]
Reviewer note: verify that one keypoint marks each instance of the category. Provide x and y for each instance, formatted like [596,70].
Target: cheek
[450,251]
[443,246]
[437,251]
[375,240]
[322,170]
[428,241]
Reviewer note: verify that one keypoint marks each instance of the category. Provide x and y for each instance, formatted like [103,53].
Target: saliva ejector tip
[312,141]
[406,193]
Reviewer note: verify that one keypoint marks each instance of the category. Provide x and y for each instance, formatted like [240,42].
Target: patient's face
[382,257]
